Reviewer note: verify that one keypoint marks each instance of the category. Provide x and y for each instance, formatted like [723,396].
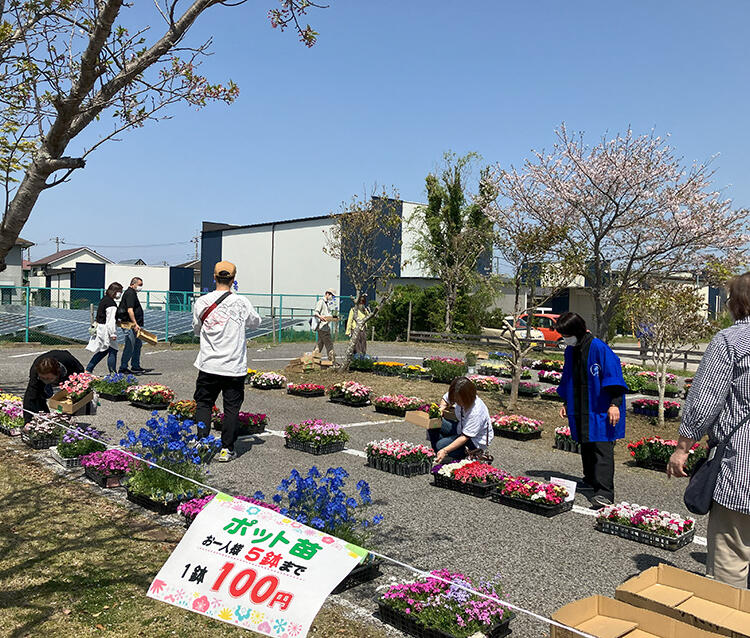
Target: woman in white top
[472,427]
[103,342]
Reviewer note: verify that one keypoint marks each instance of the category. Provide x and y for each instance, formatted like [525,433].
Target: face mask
[118,296]
[138,288]
[570,341]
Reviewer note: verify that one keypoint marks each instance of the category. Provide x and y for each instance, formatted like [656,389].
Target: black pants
[599,467]
[207,389]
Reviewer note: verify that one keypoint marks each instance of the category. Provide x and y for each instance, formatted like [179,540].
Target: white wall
[409,234]
[250,250]
[154,278]
[583,303]
[13,276]
[83,257]
[60,298]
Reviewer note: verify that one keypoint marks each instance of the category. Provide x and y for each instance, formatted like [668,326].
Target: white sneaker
[226,455]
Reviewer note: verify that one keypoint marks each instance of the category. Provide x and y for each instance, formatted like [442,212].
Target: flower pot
[408,625]
[535,507]
[159,507]
[306,394]
[68,464]
[551,397]
[351,404]
[518,436]
[416,377]
[306,446]
[113,397]
[10,430]
[384,409]
[149,406]
[480,490]
[104,481]
[392,466]
[267,387]
[362,573]
[646,537]
[39,444]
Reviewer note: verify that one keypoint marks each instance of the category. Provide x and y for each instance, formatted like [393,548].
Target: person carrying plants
[221,318]
[358,313]
[48,370]
[466,424]
[321,323]
[593,389]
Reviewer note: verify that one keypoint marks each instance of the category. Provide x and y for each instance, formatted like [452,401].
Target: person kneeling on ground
[466,423]
[220,318]
[47,371]
[593,389]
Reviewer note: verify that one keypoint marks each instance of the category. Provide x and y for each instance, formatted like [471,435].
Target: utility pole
[196,240]
[57,241]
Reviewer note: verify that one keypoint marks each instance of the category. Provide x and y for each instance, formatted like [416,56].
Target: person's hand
[614,415]
[676,464]
[440,456]
[113,337]
[137,328]
[563,413]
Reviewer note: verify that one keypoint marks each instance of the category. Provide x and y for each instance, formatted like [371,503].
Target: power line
[175,243]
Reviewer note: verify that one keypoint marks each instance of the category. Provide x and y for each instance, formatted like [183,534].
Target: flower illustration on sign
[157,586]
[225,614]
[201,604]
[279,625]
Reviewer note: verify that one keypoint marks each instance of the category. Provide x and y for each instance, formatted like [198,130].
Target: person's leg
[112,360]
[455,455]
[207,388]
[233,394]
[588,461]
[603,458]
[127,353]
[98,356]
[135,361]
[728,539]
[328,344]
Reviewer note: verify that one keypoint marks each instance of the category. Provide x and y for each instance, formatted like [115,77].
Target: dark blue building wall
[180,279]
[210,254]
[89,276]
[392,245]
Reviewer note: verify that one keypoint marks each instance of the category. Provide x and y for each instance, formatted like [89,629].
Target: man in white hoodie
[220,318]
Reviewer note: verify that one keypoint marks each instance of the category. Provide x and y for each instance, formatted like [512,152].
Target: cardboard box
[148,337]
[607,618]
[61,402]
[423,420]
[696,600]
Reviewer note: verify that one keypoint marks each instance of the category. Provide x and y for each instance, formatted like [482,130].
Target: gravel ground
[543,563]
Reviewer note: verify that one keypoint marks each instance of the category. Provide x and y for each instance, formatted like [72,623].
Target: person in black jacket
[130,314]
[48,370]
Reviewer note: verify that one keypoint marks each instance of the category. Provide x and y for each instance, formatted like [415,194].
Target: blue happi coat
[603,370]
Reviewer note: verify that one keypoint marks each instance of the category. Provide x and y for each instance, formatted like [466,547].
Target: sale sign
[252,567]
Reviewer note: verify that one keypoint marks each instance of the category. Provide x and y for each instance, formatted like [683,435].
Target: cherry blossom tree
[633,212]
[674,316]
[69,66]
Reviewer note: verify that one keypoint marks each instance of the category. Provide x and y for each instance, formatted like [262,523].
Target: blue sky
[390,86]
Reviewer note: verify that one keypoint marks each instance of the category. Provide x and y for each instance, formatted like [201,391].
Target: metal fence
[64,315]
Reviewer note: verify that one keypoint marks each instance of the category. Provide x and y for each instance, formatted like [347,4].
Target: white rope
[407,566]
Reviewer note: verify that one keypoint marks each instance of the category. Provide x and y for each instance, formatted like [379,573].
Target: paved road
[543,563]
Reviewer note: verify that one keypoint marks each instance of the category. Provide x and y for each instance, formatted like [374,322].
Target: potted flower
[550,394]
[654,452]
[485,383]
[525,388]
[114,387]
[190,509]
[74,393]
[397,404]
[172,445]
[250,375]
[469,477]
[185,410]
[445,369]
[11,414]
[350,393]
[269,381]
[399,457]
[652,389]
[150,396]
[415,373]
[524,493]
[249,423]
[564,440]
[362,363]
[43,431]
[76,442]
[491,368]
[552,365]
[108,468]
[306,389]
[322,501]
[438,606]
[650,407]
[507,372]
[387,368]
[550,376]
[646,525]
[516,426]
[315,437]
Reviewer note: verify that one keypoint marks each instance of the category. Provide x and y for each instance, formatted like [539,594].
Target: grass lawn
[76,564]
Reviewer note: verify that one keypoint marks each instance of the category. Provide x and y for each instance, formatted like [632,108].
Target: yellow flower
[225,614]
[389,364]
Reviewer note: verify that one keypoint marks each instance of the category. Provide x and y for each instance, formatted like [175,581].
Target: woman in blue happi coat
[593,389]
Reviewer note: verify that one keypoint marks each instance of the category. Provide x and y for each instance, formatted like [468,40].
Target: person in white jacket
[221,318]
[103,342]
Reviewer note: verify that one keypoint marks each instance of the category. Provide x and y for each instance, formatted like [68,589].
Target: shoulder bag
[212,307]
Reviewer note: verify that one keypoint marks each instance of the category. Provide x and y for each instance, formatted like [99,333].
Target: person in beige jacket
[358,313]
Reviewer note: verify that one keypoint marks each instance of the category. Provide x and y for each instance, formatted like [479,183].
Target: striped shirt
[718,400]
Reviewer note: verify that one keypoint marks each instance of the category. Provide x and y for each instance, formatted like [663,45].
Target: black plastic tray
[392,411]
[363,573]
[328,448]
[39,444]
[104,481]
[405,623]
[518,436]
[399,469]
[155,506]
[480,490]
[149,406]
[548,511]
[307,395]
[567,445]
[671,544]
[349,403]
[113,397]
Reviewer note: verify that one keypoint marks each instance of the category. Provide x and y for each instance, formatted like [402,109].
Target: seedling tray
[155,506]
[113,397]
[328,448]
[671,544]
[548,511]
[68,464]
[268,387]
[10,430]
[351,404]
[149,406]
[405,623]
[480,490]
[399,469]
[551,397]
[567,445]
[39,444]
[518,436]
[307,395]
[362,573]
[392,411]
[104,481]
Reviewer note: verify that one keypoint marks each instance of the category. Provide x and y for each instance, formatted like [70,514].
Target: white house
[12,278]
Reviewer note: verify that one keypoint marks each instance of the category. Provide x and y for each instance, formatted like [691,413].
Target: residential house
[12,278]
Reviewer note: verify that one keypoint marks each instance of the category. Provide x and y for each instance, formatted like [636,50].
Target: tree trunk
[661,382]
[516,380]
[449,302]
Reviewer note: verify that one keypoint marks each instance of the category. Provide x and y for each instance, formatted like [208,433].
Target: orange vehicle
[545,323]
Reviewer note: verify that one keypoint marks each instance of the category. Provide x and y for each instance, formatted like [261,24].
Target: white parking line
[26,354]
[357,425]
